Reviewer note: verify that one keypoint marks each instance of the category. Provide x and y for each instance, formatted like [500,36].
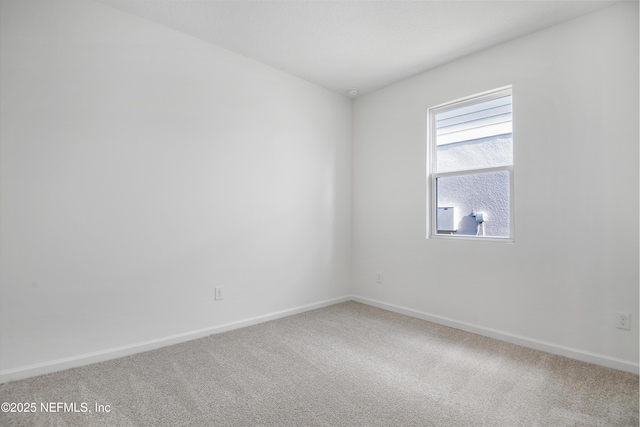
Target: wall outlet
[378,277]
[219,292]
[623,320]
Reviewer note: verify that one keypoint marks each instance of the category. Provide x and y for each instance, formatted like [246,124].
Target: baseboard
[114,353]
[585,356]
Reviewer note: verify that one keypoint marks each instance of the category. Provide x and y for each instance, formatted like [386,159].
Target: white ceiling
[362,44]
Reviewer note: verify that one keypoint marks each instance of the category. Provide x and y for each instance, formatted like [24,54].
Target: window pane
[475,136]
[481,193]
[478,153]
[479,120]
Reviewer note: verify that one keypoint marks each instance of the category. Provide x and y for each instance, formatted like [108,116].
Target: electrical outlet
[378,277]
[623,320]
[219,292]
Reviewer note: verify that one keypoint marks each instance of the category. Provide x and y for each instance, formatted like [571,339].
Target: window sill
[469,237]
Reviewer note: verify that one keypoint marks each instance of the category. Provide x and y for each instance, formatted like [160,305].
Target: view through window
[471,167]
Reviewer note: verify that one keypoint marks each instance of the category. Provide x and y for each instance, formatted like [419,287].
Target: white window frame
[433,175]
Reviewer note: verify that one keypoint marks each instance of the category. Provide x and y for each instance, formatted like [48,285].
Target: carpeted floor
[345,365]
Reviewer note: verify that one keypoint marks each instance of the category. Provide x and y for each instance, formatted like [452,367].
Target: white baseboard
[114,353]
[127,350]
[585,356]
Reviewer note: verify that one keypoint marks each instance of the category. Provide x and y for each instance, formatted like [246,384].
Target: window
[470,167]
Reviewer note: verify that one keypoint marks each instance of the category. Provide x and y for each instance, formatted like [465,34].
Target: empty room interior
[319,213]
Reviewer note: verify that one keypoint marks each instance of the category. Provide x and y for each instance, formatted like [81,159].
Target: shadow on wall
[468,225]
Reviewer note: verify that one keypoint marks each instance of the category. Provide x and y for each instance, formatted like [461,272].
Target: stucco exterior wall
[488,193]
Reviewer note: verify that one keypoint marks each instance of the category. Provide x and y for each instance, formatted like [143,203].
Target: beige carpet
[344,365]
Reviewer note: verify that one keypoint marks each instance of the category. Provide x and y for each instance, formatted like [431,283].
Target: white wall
[574,262]
[142,167]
